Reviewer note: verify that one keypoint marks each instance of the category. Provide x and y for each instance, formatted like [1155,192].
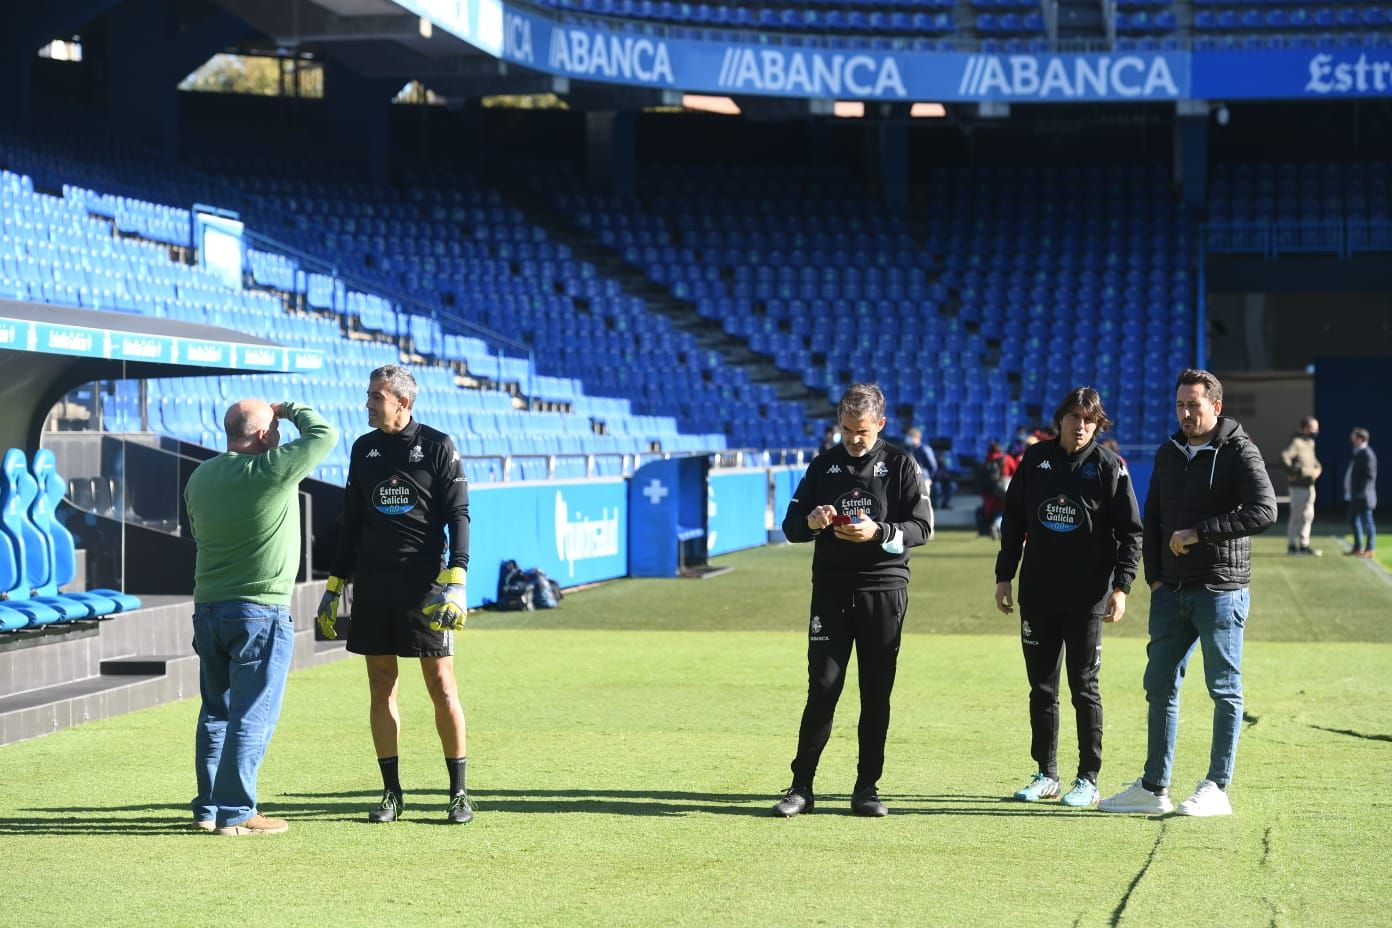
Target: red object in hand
[844,520]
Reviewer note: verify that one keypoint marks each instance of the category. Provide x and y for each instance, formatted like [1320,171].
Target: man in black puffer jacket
[1208,495]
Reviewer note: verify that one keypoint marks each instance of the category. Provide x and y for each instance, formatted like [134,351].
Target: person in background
[1073,500]
[1302,470]
[1360,489]
[244,513]
[996,472]
[944,483]
[923,456]
[830,439]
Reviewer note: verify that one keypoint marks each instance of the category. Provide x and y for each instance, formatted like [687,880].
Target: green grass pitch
[625,750]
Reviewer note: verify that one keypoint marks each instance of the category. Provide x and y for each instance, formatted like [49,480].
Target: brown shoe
[1367,554]
[258,824]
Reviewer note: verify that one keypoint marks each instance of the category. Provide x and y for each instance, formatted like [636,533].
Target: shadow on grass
[428,807]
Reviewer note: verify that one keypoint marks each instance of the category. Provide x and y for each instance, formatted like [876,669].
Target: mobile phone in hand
[839,519]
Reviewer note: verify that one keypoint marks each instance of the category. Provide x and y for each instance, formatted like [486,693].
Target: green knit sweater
[245,517]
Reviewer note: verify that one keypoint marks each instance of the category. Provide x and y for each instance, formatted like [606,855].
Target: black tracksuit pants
[1047,637]
[872,621]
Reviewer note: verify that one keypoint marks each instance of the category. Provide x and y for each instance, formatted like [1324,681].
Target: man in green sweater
[245,518]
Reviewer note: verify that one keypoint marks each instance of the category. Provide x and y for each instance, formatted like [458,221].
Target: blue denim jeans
[1179,618]
[244,652]
[1364,531]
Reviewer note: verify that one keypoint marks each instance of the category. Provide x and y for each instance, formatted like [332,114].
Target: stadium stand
[1017,265]
[95,250]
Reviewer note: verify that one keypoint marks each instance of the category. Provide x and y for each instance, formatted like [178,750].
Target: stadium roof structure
[46,351]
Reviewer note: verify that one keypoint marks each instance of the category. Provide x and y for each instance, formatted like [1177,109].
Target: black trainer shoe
[460,810]
[388,810]
[867,803]
[795,801]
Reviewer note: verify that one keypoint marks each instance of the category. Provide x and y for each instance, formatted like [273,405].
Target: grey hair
[861,400]
[398,381]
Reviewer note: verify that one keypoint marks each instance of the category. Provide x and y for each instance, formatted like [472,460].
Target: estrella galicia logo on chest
[394,496]
[857,503]
[1060,514]
[1088,471]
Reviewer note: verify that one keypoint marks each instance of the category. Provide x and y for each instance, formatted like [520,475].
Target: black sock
[455,766]
[391,778]
[1157,790]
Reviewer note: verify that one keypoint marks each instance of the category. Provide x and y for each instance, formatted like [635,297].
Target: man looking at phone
[863,505]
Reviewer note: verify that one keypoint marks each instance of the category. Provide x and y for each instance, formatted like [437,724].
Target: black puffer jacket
[1223,493]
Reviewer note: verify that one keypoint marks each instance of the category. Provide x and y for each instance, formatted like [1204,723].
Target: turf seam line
[1120,910]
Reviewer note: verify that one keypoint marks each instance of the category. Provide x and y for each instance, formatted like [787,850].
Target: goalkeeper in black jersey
[404,541]
[862,504]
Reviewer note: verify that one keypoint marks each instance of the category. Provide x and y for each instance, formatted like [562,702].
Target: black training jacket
[1076,520]
[1224,494]
[403,491]
[883,486]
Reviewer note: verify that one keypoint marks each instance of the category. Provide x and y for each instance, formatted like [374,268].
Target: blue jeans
[244,652]
[1364,532]
[1180,617]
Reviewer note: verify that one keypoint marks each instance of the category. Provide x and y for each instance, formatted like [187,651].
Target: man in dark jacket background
[1360,488]
[1209,493]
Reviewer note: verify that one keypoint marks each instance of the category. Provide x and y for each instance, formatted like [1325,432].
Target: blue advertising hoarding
[853,71]
[577,532]
[736,510]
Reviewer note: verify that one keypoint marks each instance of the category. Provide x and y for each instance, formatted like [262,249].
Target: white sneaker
[1208,799]
[1136,798]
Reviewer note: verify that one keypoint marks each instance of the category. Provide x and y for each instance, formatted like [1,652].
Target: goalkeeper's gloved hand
[328,608]
[446,610]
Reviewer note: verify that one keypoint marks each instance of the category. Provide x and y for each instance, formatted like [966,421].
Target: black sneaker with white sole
[795,801]
[388,810]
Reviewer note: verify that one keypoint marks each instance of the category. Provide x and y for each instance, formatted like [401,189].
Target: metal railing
[1342,237]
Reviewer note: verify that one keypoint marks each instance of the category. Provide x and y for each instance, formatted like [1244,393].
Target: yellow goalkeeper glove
[446,610]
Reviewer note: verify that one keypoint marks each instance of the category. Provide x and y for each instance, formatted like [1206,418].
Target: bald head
[251,426]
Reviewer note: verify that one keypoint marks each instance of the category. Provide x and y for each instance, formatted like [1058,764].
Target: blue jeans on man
[1364,530]
[1181,617]
[244,652]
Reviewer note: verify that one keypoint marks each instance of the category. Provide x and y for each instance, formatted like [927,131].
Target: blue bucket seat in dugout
[14,587]
[44,513]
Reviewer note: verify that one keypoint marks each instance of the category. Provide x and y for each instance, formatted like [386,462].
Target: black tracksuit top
[403,491]
[1076,520]
[883,486]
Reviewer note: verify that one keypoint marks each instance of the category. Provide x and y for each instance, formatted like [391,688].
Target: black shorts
[386,616]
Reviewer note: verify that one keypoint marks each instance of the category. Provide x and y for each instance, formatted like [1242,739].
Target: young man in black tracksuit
[1072,500]
[863,506]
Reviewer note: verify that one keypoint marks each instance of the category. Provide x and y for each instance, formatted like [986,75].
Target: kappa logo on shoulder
[834,469]
[374,453]
[1044,465]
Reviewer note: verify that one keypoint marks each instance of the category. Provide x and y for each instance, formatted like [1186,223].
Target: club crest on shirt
[1088,471]
[881,469]
[415,456]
